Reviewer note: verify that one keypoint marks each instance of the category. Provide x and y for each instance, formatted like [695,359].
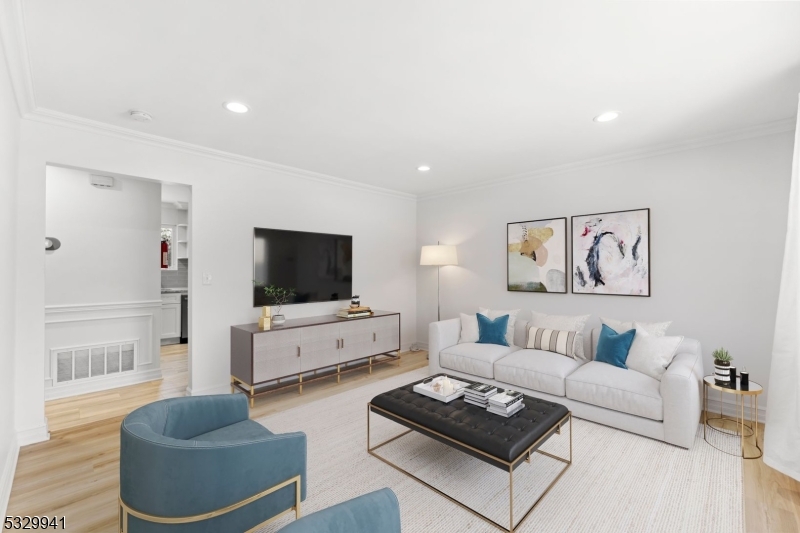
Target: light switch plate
[206,278]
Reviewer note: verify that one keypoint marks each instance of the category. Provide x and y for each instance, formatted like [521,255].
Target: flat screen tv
[318,266]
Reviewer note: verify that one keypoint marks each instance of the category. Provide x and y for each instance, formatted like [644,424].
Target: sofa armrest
[441,335]
[376,512]
[681,388]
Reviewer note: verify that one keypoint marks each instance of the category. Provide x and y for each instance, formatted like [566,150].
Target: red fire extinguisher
[164,254]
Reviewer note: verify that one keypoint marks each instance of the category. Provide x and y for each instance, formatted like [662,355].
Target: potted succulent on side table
[279,297]
[722,363]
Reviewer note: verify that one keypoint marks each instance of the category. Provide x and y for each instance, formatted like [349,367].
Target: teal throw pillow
[492,331]
[613,347]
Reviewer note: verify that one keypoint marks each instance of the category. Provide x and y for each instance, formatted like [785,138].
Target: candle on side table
[744,383]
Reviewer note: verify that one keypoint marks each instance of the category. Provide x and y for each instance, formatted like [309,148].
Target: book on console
[505,398]
[354,315]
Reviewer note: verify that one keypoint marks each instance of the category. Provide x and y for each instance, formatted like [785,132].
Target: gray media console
[305,349]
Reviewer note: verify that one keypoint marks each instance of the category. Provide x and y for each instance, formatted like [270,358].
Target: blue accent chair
[200,465]
[376,512]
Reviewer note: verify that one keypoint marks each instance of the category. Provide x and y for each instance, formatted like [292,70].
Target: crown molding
[741,134]
[56,118]
[12,33]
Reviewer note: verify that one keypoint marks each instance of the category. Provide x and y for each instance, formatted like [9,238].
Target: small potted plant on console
[722,363]
[279,297]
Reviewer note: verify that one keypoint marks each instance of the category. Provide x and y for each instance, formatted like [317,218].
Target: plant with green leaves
[278,295]
[721,355]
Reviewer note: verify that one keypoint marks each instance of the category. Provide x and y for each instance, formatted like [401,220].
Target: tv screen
[318,266]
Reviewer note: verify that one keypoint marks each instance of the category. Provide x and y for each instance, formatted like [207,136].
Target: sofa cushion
[536,370]
[616,388]
[475,359]
[246,430]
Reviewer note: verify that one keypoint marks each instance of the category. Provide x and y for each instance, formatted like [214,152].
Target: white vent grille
[90,362]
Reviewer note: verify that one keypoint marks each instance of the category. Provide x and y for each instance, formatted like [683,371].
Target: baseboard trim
[122,380]
[217,389]
[7,474]
[33,435]
[729,409]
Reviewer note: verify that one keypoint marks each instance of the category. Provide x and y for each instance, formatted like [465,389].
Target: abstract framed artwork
[537,255]
[611,253]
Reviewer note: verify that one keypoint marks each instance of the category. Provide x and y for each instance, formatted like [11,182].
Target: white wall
[228,201]
[172,216]
[111,239]
[718,221]
[9,149]
[104,284]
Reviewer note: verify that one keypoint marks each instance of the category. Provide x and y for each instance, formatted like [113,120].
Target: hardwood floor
[87,408]
[76,473]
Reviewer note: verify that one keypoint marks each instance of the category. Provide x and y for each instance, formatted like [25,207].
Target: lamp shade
[438,255]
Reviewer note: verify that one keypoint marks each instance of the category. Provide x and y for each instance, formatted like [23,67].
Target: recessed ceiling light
[423,168]
[607,116]
[140,116]
[236,107]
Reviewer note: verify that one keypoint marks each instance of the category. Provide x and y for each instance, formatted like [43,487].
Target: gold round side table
[740,426]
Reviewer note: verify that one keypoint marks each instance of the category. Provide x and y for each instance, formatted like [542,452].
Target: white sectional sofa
[667,410]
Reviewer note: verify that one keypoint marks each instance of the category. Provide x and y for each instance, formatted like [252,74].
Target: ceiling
[368,90]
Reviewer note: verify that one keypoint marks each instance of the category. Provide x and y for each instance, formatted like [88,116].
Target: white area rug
[618,482]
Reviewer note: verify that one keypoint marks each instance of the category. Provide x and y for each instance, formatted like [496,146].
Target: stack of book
[506,403]
[354,312]
[479,393]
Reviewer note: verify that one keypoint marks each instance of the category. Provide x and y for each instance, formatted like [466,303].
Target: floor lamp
[438,255]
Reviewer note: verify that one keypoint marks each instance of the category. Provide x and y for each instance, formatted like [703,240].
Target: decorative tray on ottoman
[428,387]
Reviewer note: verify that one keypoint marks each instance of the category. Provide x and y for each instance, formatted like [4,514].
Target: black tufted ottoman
[502,442]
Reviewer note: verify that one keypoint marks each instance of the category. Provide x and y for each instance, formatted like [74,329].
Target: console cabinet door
[276,354]
[356,338]
[319,347]
[387,334]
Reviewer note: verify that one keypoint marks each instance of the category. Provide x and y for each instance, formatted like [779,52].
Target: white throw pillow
[659,329]
[564,323]
[552,340]
[469,328]
[651,355]
[512,318]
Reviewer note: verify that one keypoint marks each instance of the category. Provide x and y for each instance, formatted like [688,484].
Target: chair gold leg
[297,498]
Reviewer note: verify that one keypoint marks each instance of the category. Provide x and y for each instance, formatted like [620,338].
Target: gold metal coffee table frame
[742,428]
[556,429]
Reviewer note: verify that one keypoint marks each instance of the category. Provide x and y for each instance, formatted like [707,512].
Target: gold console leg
[301,383]
[338,374]
[370,365]
[252,398]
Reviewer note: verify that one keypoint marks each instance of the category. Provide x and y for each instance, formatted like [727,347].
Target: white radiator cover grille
[93,362]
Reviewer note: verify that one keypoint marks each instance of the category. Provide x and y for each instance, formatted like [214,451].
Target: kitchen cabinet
[171,317]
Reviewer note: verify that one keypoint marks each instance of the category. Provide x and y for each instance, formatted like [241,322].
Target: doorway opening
[117,318]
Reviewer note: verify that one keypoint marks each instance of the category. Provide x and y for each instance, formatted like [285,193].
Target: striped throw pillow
[552,340]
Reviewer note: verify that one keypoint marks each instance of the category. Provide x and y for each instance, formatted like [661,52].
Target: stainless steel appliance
[184,318]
